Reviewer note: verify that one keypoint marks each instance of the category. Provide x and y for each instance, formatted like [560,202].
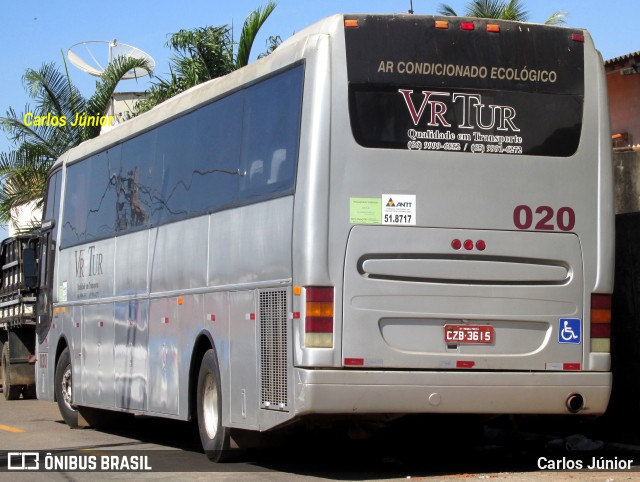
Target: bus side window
[90,202]
[75,203]
[218,131]
[271,129]
[53,197]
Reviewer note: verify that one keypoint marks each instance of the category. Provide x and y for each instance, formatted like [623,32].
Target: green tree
[205,53]
[273,42]
[501,10]
[23,170]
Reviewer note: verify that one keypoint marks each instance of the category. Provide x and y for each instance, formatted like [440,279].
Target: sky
[39,31]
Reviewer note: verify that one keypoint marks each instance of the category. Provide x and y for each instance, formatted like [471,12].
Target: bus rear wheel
[63,389]
[214,436]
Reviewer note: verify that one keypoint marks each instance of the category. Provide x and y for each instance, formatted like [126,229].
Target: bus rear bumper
[363,391]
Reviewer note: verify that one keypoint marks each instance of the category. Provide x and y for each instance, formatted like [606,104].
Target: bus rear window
[457,120]
[415,86]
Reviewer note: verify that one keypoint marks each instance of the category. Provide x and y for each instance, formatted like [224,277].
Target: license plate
[469,334]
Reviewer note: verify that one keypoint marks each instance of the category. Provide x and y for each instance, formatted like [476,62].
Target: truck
[18,297]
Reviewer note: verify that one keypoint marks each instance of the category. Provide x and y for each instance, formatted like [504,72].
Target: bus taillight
[318,321]
[577,37]
[600,323]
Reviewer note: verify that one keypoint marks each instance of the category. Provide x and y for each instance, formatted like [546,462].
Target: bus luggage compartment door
[426,298]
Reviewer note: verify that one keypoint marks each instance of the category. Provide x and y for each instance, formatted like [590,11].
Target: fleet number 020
[545,218]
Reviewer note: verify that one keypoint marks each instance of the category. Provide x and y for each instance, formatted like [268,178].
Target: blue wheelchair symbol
[570,331]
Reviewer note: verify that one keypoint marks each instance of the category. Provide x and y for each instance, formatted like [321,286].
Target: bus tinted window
[217,141]
[413,86]
[498,122]
[270,135]
[53,197]
[138,182]
[236,150]
[90,202]
[175,157]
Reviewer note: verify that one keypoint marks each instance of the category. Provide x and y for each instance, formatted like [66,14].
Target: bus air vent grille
[273,350]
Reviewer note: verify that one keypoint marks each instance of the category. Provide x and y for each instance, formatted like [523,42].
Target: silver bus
[390,214]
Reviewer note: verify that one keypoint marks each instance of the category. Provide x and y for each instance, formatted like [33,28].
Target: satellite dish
[85,55]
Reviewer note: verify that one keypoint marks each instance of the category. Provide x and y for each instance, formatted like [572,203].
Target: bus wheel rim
[66,387]
[210,406]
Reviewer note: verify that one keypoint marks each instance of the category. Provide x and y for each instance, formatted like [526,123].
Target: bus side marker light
[442,24]
[165,320]
[297,290]
[493,27]
[354,362]
[557,366]
[180,301]
[101,324]
[351,23]
[467,26]
[481,245]
[456,244]
[577,37]
[465,364]
[212,317]
[468,245]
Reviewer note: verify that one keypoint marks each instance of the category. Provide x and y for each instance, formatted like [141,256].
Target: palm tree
[502,10]
[24,169]
[206,53]
[273,42]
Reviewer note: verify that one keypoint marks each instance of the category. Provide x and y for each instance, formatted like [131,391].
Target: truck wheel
[1,371]
[215,438]
[29,392]
[63,389]
[11,392]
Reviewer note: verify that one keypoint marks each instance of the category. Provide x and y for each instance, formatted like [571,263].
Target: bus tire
[214,436]
[63,389]
[11,392]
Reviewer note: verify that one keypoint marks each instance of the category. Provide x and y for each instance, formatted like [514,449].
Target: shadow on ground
[413,446]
